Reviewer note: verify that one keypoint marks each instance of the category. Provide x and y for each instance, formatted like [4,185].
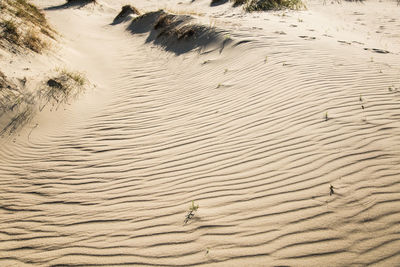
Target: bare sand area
[282,127]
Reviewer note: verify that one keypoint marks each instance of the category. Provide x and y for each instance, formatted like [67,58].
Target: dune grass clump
[23,25]
[77,77]
[128,9]
[34,42]
[164,21]
[266,5]
[29,12]
[62,87]
[123,15]
[238,2]
[10,31]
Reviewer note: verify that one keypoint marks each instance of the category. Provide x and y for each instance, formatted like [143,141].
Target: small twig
[331,190]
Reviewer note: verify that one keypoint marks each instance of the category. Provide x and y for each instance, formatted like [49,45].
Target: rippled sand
[241,130]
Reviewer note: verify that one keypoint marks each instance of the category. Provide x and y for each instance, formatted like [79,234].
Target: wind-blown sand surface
[237,125]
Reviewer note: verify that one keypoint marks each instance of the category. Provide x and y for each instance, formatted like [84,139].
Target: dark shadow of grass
[218,2]
[72,4]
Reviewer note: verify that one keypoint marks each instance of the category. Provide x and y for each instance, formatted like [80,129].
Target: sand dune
[255,133]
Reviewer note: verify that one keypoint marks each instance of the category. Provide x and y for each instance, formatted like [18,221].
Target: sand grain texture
[240,130]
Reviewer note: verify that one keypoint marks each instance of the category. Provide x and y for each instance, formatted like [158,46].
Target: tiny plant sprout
[225,71]
[219,85]
[266,59]
[227,36]
[361,99]
[326,116]
[372,59]
[192,209]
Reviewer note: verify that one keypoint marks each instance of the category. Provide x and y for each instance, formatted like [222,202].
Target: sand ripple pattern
[243,136]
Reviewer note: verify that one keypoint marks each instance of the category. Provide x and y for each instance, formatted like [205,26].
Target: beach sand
[284,127]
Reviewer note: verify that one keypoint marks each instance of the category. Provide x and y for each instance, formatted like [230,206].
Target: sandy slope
[108,180]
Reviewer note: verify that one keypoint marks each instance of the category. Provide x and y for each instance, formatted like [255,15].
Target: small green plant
[326,116]
[361,99]
[266,59]
[219,85]
[192,209]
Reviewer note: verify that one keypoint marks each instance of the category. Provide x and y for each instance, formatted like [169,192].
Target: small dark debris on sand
[379,51]
[53,83]
[331,191]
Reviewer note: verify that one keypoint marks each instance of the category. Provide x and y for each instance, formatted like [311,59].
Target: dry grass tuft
[164,21]
[62,87]
[238,2]
[266,5]
[125,12]
[10,31]
[34,42]
[23,25]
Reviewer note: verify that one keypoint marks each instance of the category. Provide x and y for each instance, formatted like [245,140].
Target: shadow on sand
[73,4]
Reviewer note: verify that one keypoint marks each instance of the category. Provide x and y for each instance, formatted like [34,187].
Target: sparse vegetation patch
[23,25]
[266,5]
[19,105]
[192,209]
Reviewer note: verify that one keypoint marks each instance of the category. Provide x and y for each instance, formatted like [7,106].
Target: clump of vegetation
[62,87]
[192,209]
[238,2]
[34,42]
[23,25]
[167,24]
[266,5]
[10,31]
[164,21]
[125,12]
[29,12]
